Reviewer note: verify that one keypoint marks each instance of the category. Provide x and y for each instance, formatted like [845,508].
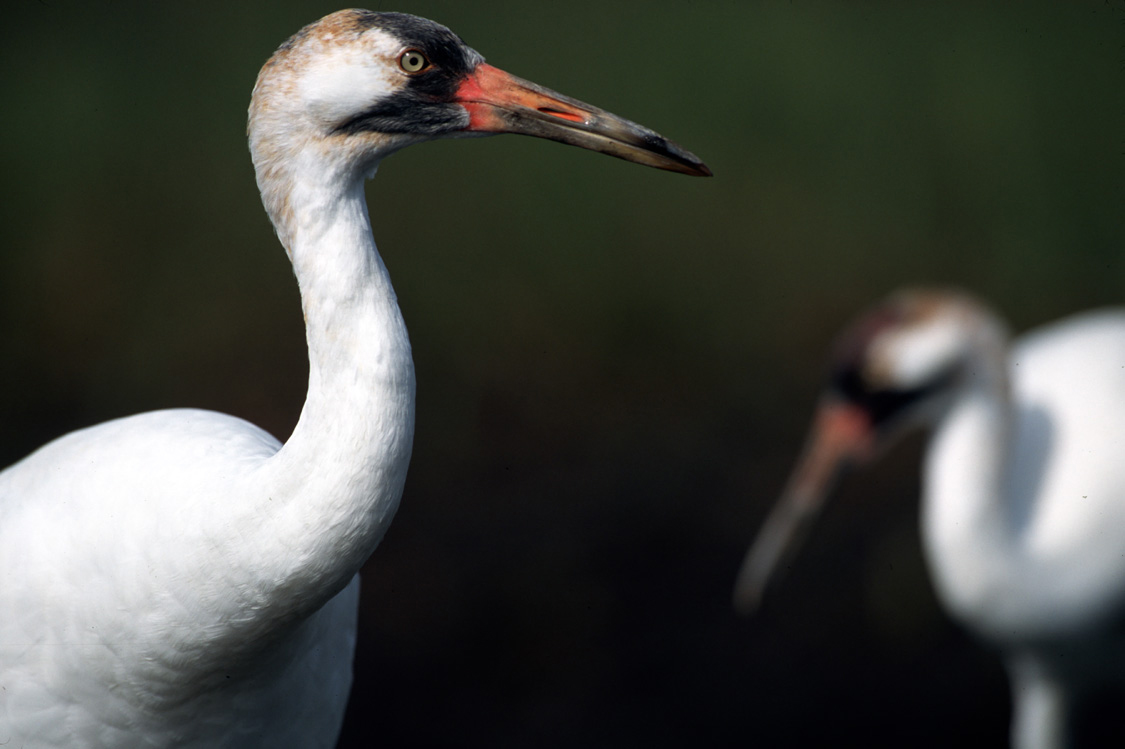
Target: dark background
[615,365]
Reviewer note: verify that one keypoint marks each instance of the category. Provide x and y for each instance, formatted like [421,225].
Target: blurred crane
[1023,508]
[180,578]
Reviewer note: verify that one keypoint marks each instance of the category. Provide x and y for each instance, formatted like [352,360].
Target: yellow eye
[413,61]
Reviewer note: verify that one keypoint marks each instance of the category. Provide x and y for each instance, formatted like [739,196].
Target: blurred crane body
[1023,507]
[181,578]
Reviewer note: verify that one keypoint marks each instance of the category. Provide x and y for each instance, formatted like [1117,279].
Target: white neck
[967,532]
[975,535]
[333,488]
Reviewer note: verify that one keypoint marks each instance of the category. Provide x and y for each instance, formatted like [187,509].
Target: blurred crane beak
[842,435]
[498,102]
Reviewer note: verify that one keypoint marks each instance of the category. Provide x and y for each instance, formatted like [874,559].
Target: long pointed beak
[842,434]
[499,102]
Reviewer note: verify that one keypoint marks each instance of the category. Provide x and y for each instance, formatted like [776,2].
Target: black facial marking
[443,48]
[882,405]
[404,113]
[424,106]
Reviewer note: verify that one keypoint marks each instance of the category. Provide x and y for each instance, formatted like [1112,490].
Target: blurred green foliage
[615,365]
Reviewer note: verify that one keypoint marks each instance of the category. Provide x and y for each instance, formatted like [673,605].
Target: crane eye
[413,61]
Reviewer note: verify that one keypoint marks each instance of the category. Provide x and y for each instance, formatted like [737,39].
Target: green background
[615,365]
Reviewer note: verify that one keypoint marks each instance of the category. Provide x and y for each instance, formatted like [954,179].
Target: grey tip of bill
[749,588]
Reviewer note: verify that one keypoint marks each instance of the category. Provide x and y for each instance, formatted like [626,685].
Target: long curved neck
[968,531]
[335,485]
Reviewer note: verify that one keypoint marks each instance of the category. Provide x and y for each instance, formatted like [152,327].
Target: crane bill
[498,102]
[842,434]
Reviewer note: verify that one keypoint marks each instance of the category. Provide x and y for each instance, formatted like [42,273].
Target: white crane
[181,578]
[1023,506]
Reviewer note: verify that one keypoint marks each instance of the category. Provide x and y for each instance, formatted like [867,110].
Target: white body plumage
[150,561]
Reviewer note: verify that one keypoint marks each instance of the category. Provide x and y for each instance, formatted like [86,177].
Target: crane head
[893,369]
[360,85]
